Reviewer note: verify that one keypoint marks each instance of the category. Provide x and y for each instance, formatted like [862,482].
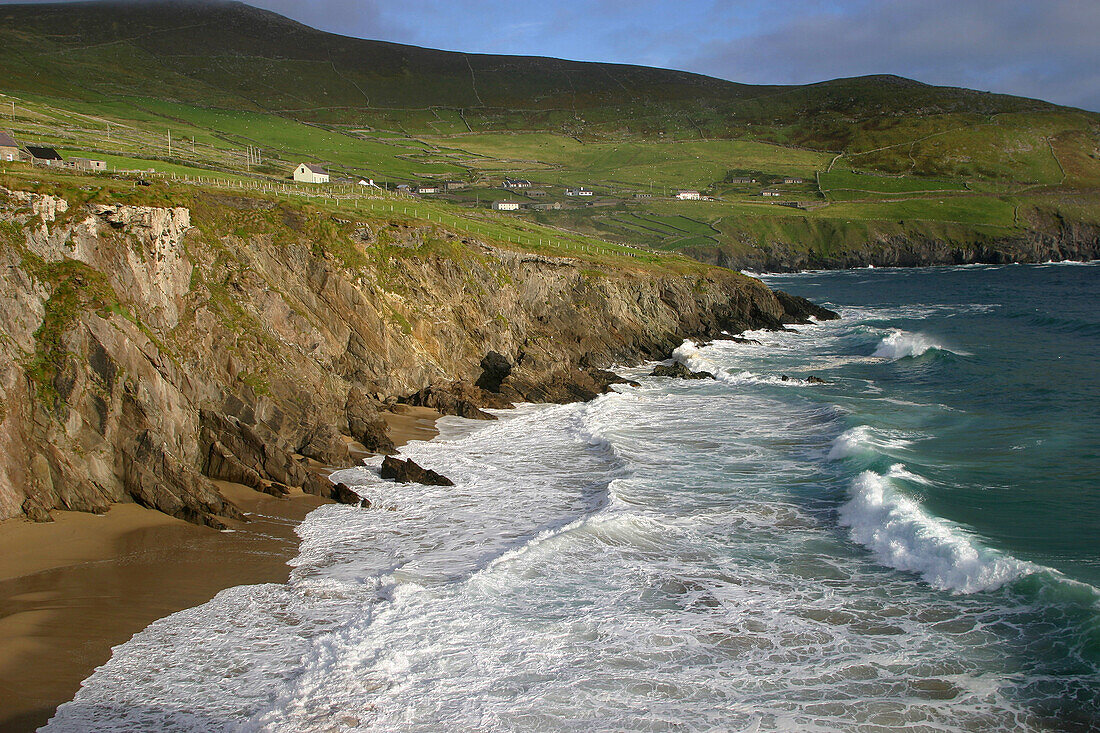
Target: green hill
[879,156]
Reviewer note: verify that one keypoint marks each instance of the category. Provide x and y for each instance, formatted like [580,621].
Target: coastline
[72,589]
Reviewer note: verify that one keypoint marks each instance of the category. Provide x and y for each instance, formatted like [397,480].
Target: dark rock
[785,378]
[458,398]
[36,511]
[276,489]
[344,494]
[365,423]
[679,371]
[326,444]
[815,380]
[407,471]
[797,309]
[496,368]
[736,339]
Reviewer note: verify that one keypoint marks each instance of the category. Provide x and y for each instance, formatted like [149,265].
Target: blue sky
[1048,49]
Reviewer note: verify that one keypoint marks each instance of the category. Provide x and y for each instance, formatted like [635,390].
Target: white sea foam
[863,439]
[900,344]
[902,535]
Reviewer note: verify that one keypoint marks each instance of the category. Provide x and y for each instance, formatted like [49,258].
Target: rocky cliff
[147,350]
[827,245]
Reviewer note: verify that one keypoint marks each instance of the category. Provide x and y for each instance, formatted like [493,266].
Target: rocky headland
[150,351]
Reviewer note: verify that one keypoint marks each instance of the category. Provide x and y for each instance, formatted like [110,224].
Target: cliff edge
[149,349]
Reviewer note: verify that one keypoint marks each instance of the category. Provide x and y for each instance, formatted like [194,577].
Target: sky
[1049,49]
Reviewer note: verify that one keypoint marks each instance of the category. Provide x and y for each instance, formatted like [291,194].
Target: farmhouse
[769,193]
[87,164]
[643,195]
[9,149]
[582,191]
[41,155]
[454,185]
[505,206]
[545,206]
[427,188]
[689,195]
[516,183]
[310,173]
[792,180]
[741,179]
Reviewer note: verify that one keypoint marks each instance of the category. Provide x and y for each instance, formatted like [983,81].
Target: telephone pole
[169,143]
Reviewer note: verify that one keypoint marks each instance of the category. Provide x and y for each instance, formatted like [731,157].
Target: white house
[516,183]
[790,179]
[582,191]
[770,193]
[427,188]
[505,206]
[310,173]
[689,195]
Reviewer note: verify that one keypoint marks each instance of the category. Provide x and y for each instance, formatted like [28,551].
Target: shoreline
[72,589]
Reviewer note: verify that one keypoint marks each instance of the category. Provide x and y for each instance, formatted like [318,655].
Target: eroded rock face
[145,351]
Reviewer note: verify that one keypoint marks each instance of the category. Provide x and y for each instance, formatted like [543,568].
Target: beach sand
[72,589]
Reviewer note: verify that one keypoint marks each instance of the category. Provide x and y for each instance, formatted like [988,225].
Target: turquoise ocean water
[914,544]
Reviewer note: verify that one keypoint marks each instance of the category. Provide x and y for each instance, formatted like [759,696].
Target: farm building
[741,179]
[516,183]
[546,206]
[310,173]
[454,185]
[9,149]
[769,193]
[428,188]
[537,192]
[87,164]
[42,155]
[505,206]
[582,191]
[792,180]
[688,195]
[643,195]
[404,188]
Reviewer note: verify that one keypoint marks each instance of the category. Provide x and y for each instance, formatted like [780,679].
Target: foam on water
[900,344]
[687,554]
[902,535]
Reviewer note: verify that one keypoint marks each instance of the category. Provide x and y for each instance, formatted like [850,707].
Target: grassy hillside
[877,156]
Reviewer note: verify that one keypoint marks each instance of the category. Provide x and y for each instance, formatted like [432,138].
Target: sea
[912,544]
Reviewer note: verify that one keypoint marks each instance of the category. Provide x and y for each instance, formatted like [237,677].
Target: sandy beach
[72,589]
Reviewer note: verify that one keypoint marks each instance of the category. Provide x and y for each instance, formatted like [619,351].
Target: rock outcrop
[409,472]
[147,351]
[678,370]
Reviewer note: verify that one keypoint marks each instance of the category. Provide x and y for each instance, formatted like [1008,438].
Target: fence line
[379,196]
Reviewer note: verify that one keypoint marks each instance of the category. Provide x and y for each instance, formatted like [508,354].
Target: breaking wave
[902,535]
[901,344]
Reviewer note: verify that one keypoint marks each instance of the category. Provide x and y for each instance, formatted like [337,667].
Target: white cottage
[310,173]
[688,195]
[506,205]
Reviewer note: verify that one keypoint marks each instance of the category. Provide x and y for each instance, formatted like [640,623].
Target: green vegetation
[877,155]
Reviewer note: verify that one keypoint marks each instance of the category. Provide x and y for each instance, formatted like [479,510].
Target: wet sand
[72,589]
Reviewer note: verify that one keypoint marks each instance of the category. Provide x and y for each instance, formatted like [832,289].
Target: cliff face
[1048,237]
[146,350]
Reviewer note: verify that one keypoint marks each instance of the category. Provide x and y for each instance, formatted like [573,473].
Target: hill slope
[228,54]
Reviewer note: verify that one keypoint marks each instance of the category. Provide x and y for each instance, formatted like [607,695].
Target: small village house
[9,149]
[454,185]
[772,194]
[689,195]
[505,205]
[427,188]
[741,179]
[791,179]
[310,173]
[87,164]
[545,206]
[515,183]
[643,195]
[41,155]
[581,191]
